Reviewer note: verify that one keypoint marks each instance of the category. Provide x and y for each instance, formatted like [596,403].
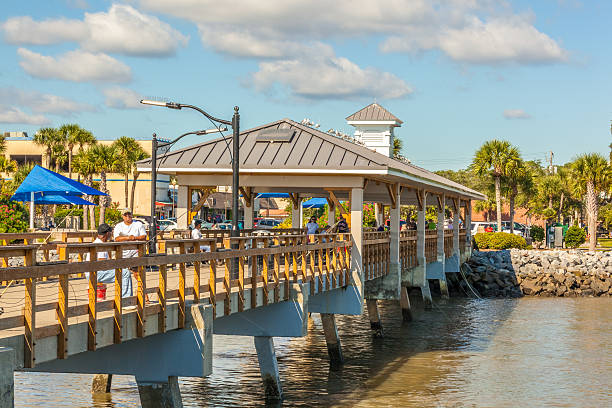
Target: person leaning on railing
[129,230]
[108,276]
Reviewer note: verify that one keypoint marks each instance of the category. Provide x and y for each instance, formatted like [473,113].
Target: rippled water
[483,353]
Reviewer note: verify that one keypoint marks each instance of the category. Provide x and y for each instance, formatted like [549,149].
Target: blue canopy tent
[272,195]
[43,186]
[316,202]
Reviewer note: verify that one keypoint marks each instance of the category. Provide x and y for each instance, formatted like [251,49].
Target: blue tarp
[272,195]
[61,199]
[45,182]
[316,202]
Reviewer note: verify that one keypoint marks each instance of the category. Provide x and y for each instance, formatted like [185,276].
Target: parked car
[267,223]
[167,225]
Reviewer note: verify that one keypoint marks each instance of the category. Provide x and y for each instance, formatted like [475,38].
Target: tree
[517,175]
[397,147]
[75,135]
[128,153]
[140,155]
[494,158]
[105,160]
[46,137]
[85,166]
[591,174]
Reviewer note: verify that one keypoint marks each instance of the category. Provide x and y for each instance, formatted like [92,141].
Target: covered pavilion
[288,157]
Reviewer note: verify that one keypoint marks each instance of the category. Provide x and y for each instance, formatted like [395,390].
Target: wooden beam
[295,200]
[421,195]
[392,189]
[247,193]
[337,202]
[440,204]
[331,204]
[193,211]
[455,204]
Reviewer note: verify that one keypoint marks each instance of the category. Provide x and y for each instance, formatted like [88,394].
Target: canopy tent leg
[31,210]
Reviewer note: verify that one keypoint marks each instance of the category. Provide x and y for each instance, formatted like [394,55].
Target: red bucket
[101,291]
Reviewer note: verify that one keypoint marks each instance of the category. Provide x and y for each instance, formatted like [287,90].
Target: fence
[376,253]
[408,251]
[431,245]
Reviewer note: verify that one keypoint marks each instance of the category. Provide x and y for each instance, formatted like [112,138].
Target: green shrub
[574,237]
[499,240]
[13,216]
[537,233]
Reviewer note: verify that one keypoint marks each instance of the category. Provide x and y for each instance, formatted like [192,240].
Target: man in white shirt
[129,230]
[108,276]
[197,234]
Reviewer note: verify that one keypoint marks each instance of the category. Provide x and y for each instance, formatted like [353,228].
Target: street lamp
[154,147]
[235,124]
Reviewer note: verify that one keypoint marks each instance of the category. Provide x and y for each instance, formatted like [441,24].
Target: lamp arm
[225,122]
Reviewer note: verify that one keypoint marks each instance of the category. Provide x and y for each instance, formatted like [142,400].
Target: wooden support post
[212,281]
[29,313]
[254,268]
[276,272]
[196,274]
[101,383]
[162,296]
[117,304]
[441,255]
[181,288]
[227,286]
[91,308]
[241,278]
[62,307]
[287,269]
[265,275]
[141,295]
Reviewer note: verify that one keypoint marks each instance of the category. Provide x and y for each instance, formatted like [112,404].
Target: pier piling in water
[405,305]
[160,394]
[374,316]
[7,382]
[334,347]
[268,367]
[101,383]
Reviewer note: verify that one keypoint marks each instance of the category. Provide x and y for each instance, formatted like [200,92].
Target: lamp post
[235,124]
[155,146]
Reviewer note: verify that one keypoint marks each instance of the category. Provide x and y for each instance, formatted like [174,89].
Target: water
[549,352]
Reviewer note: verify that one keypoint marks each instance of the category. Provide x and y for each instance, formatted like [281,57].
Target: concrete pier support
[405,304]
[334,347]
[421,260]
[101,383]
[268,367]
[441,254]
[296,214]
[374,316]
[160,394]
[7,382]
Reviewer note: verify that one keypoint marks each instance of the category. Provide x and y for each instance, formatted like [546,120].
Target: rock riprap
[515,272]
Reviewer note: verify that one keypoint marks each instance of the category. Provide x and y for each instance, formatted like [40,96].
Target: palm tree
[105,160]
[140,155]
[75,135]
[397,147]
[84,166]
[517,176]
[485,206]
[127,150]
[591,174]
[494,158]
[6,166]
[46,137]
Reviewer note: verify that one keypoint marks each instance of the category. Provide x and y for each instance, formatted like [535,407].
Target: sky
[457,72]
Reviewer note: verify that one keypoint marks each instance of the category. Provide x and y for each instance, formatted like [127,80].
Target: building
[21,148]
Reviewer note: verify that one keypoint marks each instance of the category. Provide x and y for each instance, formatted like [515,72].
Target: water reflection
[497,353]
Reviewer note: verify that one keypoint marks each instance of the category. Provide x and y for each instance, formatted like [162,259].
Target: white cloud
[39,102]
[24,30]
[77,66]
[16,115]
[122,98]
[330,78]
[472,31]
[121,30]
[516,114]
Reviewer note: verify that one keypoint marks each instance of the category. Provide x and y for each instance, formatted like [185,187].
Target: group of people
[126,230]
[312,227]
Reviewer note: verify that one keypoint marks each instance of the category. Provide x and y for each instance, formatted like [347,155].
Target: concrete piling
[160,394]
[268,367]
[101,383]
[405,305]
[334,347]
[374,316]
[7,382]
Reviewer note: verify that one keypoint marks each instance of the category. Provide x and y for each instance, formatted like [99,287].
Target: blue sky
[457,72]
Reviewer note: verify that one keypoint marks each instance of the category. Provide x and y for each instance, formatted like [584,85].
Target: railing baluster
[29,313]
[161,295]
[181,288]
[264,274]
[117,305]
[62,307]
[276,272]
[212,280]
[286,272]
[91,307]
[227,286]
[254,267]
[241,277]
[141,295]
[196,274]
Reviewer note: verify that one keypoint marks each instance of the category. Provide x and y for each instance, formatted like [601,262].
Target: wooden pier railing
[448,243]
[376,253]
[462,243]
[431,246]
[262,263]
[408,251]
